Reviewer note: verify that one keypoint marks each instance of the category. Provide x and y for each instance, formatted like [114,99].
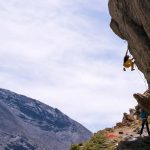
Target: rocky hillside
[123,136]
[27,124]
[130,21]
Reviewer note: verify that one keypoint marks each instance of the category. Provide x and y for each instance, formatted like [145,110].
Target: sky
[63,53]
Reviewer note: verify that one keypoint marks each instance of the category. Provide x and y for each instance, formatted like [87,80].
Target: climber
[128,63]
[144,117]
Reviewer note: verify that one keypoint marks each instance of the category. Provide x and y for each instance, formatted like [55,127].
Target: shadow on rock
[141,143]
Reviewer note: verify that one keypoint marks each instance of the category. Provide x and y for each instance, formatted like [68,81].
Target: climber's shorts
[128,64]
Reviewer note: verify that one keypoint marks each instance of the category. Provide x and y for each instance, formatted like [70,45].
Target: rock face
[143,99]
[128,119]
[130,21]
[27,124]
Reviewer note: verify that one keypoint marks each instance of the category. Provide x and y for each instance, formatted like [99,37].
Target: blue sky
[63,53]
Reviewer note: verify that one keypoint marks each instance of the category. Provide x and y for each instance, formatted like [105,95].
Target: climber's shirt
[144,115]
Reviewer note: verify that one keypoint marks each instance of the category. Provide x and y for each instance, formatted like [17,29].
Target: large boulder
[143,100]
[130,21]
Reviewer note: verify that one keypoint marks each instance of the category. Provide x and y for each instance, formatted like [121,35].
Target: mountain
[28,124]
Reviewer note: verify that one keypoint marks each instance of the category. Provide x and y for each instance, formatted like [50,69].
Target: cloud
[64,54]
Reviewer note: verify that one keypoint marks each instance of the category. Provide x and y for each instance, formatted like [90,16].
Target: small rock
[120,132]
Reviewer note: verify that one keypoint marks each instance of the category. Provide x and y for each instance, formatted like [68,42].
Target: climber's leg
[132,66]
[147,128]
[143,123]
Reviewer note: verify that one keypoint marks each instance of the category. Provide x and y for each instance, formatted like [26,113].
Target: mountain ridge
[37,125]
